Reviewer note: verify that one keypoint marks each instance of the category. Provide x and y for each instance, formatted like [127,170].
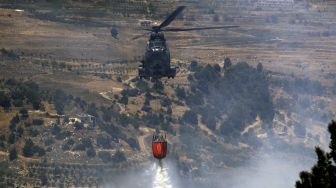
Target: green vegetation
[59,99]
[30,149]
[20,93]
[323,173]
[241,95]
[4,100]
[91,152]
[105,156]
[190,117]
[13,154]
[119,156]
[104,141]
[227,63]
[133,143]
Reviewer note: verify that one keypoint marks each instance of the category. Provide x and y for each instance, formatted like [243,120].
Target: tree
[68,144]
[59,100]
[119,156]
[13,123]
[180,92]
[194,66]
[104,141]
[133,143]
[260,67]
[56,129]
[87,142]
[91,152]
[227,63]
[24,113]
[28,149]
[216,68]
[209,120]
[44,179]
[38,121]
[323,173]
[78,125]
[92,109]
[4,101]
[31,92]
[11,138]
[158,86]
[124,100]
[13,154]
[105,156]
[190,117]
[20,131]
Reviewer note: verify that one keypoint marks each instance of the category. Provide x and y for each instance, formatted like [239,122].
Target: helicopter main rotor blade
[199,28]
[172,16]
[139,36]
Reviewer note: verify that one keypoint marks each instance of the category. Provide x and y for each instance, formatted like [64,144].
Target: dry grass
[5,117]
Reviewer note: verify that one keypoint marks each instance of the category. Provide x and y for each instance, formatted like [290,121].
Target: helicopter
[156,63]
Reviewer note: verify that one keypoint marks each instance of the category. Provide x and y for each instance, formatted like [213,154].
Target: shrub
[56,129]
[124,100]
[49,141]
[38,121]
[133,143]
[91,152]
[190,117]
[24,113]
[87,142]
[11,138]
[63,135]
[59,100]
[104,141]
[68,144]
[166,102]
[28,149]
[13,154]
[194,66]
[4,100]
[260,67]
[44,179]
[105,156]
[119,156]
[180,93]
[227,63]
[78,125]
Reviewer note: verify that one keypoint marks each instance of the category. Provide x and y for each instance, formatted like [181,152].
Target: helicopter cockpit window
[156,45]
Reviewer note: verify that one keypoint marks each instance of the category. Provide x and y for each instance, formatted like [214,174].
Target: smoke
[158,174]
[268,168]
[276,170]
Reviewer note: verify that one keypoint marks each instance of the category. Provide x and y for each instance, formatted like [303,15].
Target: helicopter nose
[155,49]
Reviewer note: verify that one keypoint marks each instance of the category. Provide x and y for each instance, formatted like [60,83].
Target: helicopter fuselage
[156,63]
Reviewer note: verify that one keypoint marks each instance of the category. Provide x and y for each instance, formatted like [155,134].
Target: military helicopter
[156,62]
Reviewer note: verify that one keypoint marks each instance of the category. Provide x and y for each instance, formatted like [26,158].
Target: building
[274,4]
[87,120]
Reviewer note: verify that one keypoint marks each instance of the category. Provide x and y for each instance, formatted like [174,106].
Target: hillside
[73,112]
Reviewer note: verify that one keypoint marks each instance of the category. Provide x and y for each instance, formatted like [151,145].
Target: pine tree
[13,154]
[323,173]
